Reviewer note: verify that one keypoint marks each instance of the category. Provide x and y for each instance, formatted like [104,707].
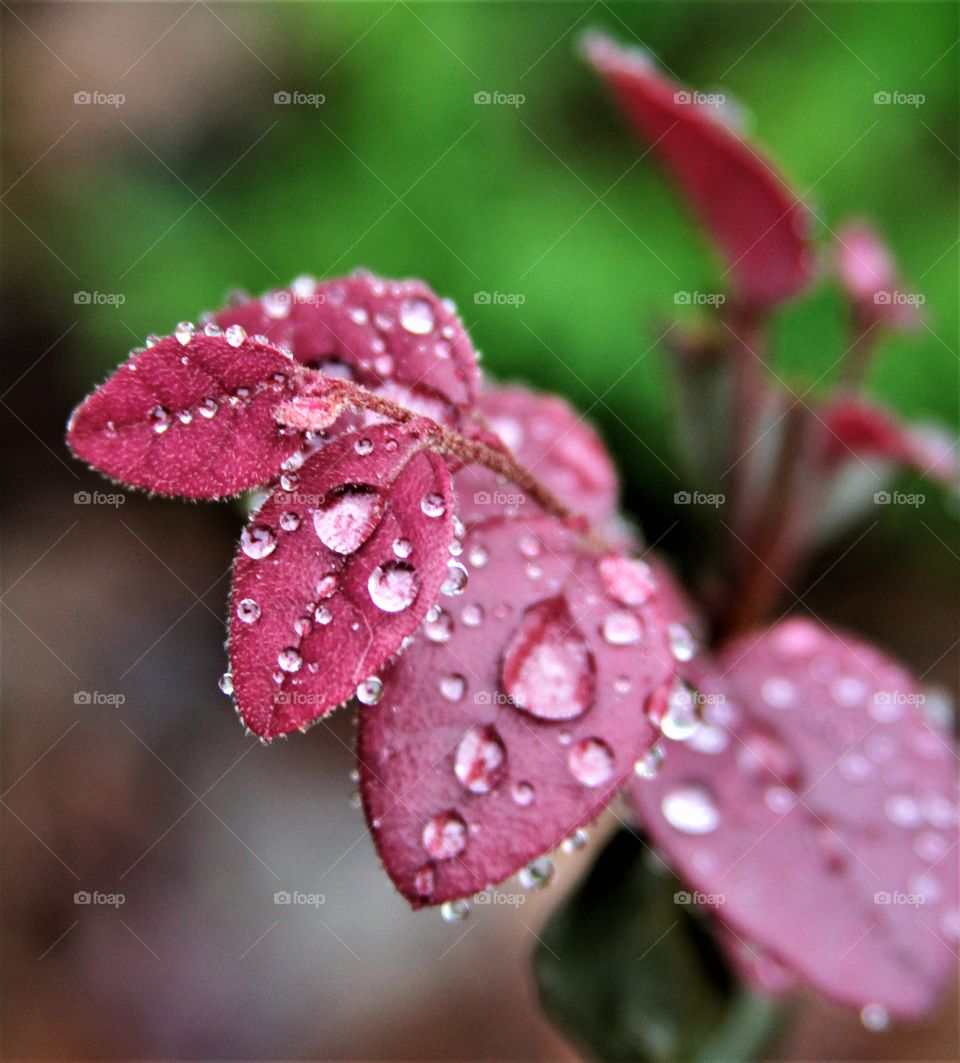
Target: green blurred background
[200,183]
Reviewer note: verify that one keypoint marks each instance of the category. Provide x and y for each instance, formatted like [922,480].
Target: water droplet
[211,328]
[302,626]
[393,586]
[472,615]
[649,765]
[160,419]
[454,911]
[683,644]
[184,332]
[480,758]
[289,521]
[709,739]
[416,316]
[208,408]
[445,836]
[903,811]
[523,794]
[257,542]
[849,691]
[424,881]
[855,767]
[226,683]
[453,687]
[537,875]
[622,628]
[235,335]
[322,615]
[456,579]
[478,556]
[348,518]
[679,715]
[363,446]
[289,660]
[248,610]
[438,625]
[575,842]
[327,586]
[530,546]
[433,504]
[779,799]
[370,691]
[630,582]
[548,669]
[875,1018]
[358,315]
[402,548]
[690,810]
[778,693]
[185,416]
[590,761]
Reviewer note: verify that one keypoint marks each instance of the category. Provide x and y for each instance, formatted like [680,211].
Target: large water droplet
[480,759]
[445,836]
[416,316]
[348,518]
[235,335]
[590,761]
[257,542]
[548,669]
[690,810]
[248,610]
[393,586]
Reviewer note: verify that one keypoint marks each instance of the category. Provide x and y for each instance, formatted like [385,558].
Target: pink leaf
[394,337]
[190,416]
[334,572]
[758,223]
[868,275]
[821,807]
[557,445]
[854,427]
[512,718]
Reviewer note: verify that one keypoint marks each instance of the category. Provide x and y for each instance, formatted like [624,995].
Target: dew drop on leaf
[416,316]
[690,810]
[480,759]
[433,505]
[537,875]
[590,761]
[257,541]
[248,611]
[370,691]
[348,518]
[393,586]
[445,836]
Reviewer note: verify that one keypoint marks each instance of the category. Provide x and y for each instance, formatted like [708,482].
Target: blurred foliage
[399,170]
[628,968]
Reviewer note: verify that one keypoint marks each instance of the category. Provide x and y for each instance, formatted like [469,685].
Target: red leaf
[512,718]
[758,223]
[193,418]
[336,569]
[394,337]
[868,275]
[818,802]
[854,427]
[556,444]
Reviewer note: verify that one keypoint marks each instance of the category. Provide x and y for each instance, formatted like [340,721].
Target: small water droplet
[622,628]
[416,316]
[226,683]
[679,715]
[424,881]
[289,660]
[322,615]
[472,615]
[480,758]
[235,335]
[523,794]
[363,446]
[456,579]
[537,875]
[393,586]
[590,761]
[575,842]
[257,542]
[875,1018]
[184,332]
[445,836]
[348,518]
[160,419]
[358,315]
[903,811]
[211,328]
[690,810]
[289,521]
[433,505]
[454,911]
[302,626]
[402,548]
[683,644]
[453,687]
[630,582]
[208,408]
[248,610]
[478,556]
[778,693]
[438,625]
[649,765]
[370,691]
